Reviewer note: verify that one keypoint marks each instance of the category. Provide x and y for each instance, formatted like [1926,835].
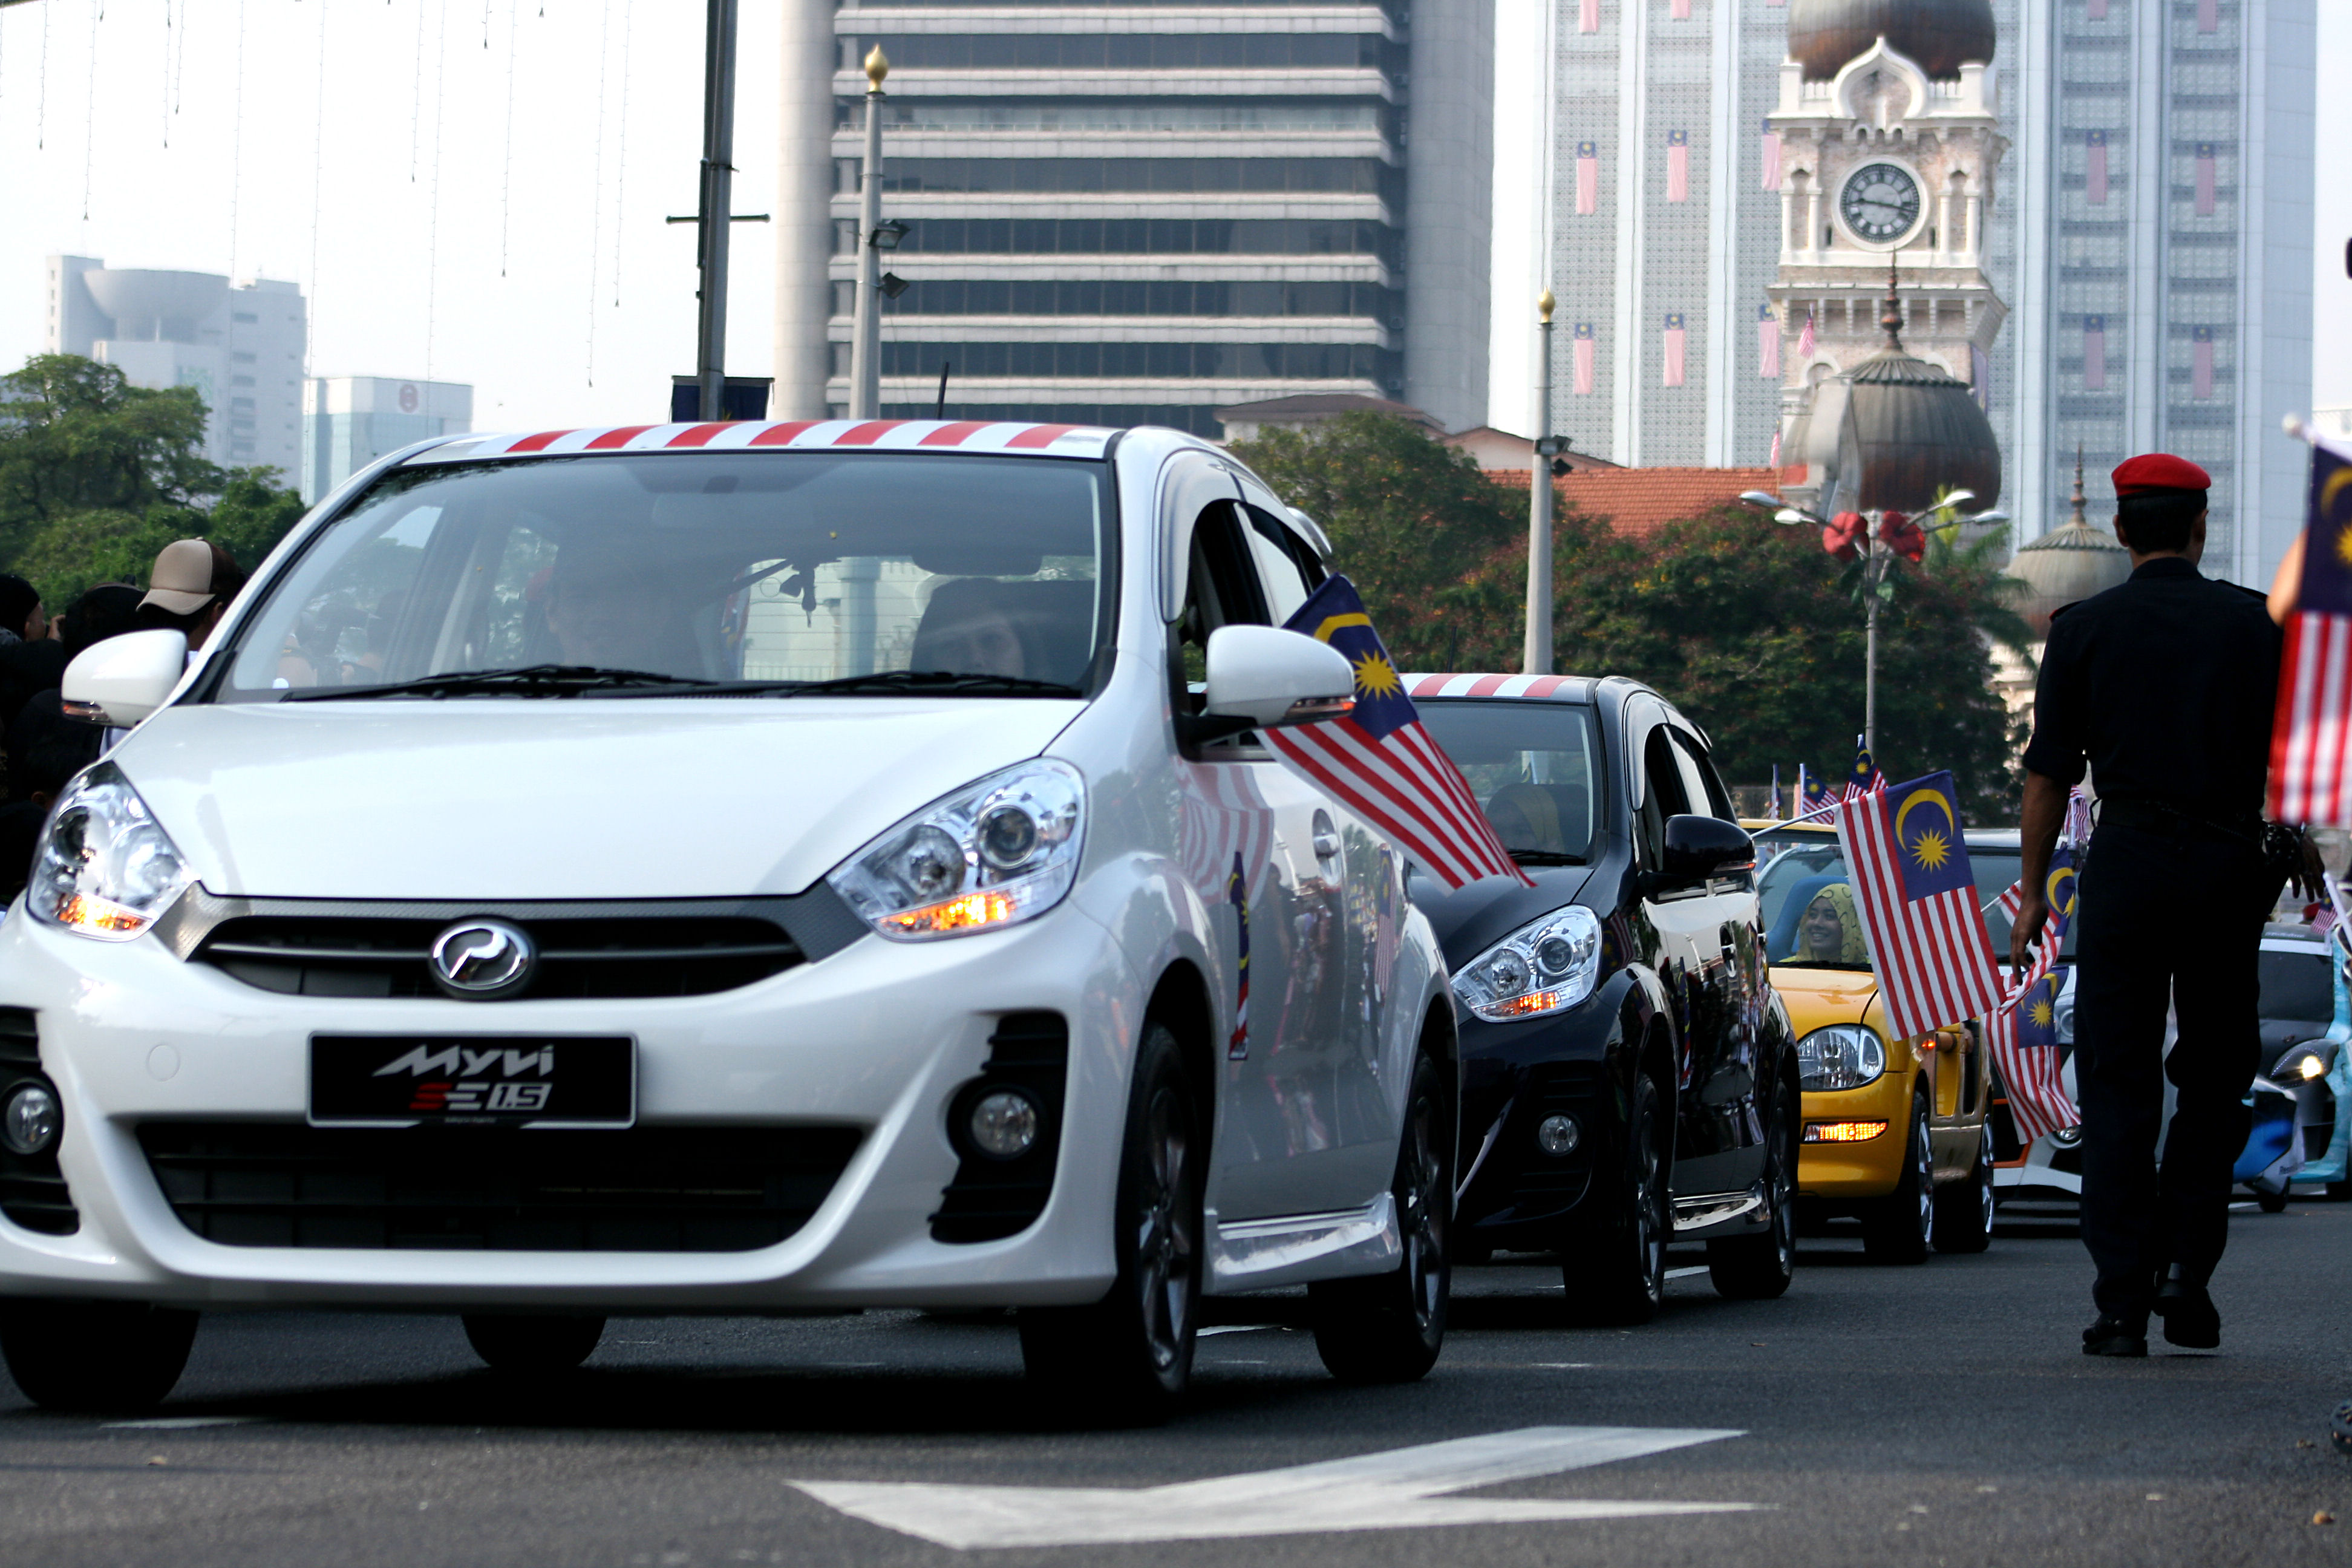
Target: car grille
[648,1189]
[32,1191]
[635,955]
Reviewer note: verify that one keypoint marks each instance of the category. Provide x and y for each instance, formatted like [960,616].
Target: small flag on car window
[1917,898]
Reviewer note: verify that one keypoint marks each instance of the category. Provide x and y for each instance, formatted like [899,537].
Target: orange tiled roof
[1637,503]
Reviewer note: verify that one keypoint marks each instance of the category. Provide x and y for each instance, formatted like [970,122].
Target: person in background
[105,611]
[22,619]
[190,589]
[1830,932]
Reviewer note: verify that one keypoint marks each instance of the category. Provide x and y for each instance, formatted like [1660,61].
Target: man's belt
[2151,813]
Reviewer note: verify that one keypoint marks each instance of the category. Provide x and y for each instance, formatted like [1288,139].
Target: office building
[240,347]
[1139,213]
[349,421]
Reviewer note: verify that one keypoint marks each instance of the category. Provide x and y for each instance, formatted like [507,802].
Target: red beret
[2154,472]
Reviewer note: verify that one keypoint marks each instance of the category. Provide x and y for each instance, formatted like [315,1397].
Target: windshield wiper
[532,680]
[925,681]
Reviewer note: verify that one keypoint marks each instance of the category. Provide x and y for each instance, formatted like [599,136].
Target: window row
[1131,51]
[1100,297]
[1366,177]
[1198,419]
[1123,361]
[1120,114]
[1143,237]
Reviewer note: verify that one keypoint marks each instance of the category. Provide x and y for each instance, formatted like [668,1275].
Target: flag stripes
[1406,789]
[1933,954]
[2313,722]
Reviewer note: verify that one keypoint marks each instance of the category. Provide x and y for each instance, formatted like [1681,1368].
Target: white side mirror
[1271,676]
[124,679]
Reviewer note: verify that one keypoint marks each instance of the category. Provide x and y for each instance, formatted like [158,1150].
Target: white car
[729,867]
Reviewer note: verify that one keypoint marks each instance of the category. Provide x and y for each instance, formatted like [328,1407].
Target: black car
[1630,1078]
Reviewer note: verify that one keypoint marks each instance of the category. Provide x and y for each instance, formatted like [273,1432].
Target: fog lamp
[29,1123]
[1558,1135]
[1843,1132]
[1003,1124]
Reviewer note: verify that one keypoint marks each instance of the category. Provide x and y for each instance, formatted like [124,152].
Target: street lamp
[888,234]
[866,343]
[1534,656]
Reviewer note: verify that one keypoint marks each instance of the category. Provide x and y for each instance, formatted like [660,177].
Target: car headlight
[1546,966]
[2305,1062]
[994,853]
[105,867]
[1842,1055]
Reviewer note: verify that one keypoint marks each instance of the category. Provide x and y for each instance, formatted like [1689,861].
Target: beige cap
[181,582]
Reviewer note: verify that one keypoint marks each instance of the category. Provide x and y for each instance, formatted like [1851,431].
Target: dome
[2072,562]
[1917,431]
[1939,34]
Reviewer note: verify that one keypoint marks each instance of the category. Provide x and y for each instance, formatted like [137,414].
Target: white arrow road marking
[1397,1490]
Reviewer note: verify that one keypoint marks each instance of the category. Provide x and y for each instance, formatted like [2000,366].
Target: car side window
[1663,794]
[1278,552]
[1221,590]
[1700,781]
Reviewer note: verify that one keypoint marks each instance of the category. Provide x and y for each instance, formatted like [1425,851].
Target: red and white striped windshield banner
[1012,437]
[1421,686]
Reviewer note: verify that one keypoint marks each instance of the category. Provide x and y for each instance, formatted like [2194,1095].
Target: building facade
[1137,213]
[349,421]
[2166,169]
[241,348]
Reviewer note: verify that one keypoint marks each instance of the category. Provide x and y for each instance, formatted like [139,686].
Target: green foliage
[96,476]
[1747,626]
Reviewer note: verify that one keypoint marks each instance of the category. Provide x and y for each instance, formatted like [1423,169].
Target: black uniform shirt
[2165,684]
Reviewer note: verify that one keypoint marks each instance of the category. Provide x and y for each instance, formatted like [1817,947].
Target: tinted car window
[1535,767]
[1803,862]
[751,566]
[2295,984]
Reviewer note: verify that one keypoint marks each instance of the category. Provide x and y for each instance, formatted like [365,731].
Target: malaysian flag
[1767,348]
[1771,157]
[2310,781]
[1816,795]
[1580,360]
[2094,169]
[2208,17]
[1237,891]
[1776,446]
[2023,1034]
[2095,10]
[2094,353]
[2204,179]
[1673,349]
[1380,764]
[1588,178]
[1588,16]
[1865,776]
[1805,338]
[1677,165]
[1917,898]
[1679,11]
[2200,363]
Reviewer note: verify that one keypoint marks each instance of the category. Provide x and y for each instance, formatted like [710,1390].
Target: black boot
[2190,1319]
[2113,1336]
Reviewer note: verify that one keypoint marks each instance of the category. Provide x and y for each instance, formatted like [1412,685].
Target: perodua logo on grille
[483,960]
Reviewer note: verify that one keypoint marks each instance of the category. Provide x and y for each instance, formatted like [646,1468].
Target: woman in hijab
[1831,931]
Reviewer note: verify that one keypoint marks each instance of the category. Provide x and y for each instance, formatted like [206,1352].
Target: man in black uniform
[2164,684]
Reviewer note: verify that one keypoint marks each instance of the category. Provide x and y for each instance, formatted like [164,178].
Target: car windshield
[1535,767]
[722,571]
[1806,904]
[2295,982]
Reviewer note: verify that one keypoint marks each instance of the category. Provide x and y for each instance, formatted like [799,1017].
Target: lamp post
[1878,555]
[865,345]
[1535,658]
[718,206]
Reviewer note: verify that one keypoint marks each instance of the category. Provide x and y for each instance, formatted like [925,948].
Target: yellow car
[1896,1134]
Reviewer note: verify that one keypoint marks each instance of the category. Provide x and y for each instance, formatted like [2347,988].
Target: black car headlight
[1545,966]
[1842,1055]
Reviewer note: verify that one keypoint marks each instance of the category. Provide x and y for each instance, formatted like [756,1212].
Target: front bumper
[1514,1075]
[876,1039]
[1848,1173]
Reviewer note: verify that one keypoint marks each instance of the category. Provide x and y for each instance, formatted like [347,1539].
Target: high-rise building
[349,421]
[240,347]
[2165,169]
[1134,213]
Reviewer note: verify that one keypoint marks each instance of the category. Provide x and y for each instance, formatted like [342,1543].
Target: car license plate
[472,1081]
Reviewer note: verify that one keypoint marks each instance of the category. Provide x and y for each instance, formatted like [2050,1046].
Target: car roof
[990,437]
[1974,837]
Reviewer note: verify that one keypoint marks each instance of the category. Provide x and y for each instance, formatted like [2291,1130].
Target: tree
[96,476]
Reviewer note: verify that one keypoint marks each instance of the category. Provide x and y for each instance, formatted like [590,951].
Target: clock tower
[1889,145]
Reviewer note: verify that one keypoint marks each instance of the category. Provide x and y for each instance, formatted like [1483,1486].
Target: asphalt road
[1934,1415]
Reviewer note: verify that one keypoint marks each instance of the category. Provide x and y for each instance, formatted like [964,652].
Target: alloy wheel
[1164,1241]
[1924,1155]
[1422,1221]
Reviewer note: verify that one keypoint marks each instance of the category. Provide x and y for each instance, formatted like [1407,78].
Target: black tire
[1964,1208]
[1759,1268]
[2338,1191]
[1617,1274]
[1129,1356]
[2272,1202]
[95,1356]
[532,1344]
[1897,1227]
[1388,1327]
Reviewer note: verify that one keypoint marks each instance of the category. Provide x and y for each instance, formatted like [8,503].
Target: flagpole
[1535,658]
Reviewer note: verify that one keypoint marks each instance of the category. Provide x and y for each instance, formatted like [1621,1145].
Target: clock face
[1880,202]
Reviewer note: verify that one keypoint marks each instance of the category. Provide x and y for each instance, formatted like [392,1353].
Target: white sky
[544,274]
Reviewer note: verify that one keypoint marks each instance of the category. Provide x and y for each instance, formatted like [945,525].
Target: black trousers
[2163,917]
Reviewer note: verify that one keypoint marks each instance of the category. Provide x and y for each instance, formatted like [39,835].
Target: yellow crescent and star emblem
[1933,848]
[2329,491]
[2042,1012]
[2058,891]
